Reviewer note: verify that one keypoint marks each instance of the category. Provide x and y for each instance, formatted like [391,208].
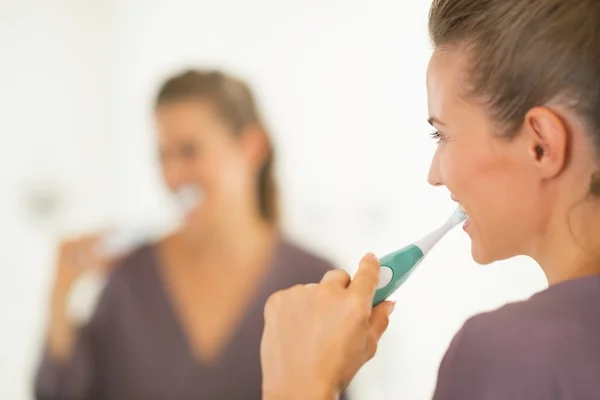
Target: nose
[435,177]
[175,173]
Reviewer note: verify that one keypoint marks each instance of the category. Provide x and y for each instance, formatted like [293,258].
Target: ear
[255,145]
[548,141]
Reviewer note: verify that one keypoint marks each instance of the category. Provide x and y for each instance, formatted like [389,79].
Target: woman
[182,318]
[514,95]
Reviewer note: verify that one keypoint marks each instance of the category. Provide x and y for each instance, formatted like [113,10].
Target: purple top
[545,348]
[134,346]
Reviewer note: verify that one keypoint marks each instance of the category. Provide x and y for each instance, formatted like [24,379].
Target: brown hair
[233,101]
[527,53]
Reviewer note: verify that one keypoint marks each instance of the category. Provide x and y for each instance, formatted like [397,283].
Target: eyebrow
[434,121]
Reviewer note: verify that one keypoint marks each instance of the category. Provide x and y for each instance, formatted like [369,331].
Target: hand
[75,257]
[317,337]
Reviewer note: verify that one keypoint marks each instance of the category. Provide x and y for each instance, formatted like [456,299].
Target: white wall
[341,84]
[53,122]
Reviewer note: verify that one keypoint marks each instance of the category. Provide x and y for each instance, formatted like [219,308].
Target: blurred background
[341,85]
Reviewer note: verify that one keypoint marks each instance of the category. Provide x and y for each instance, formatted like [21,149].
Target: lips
[459,205]
[188,197]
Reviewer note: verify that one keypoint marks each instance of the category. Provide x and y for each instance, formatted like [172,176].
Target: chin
[192,223]
[195,218]
[485,255]
[482,256]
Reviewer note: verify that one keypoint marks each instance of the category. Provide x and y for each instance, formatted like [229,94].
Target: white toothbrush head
[120,241]
[458,216]
[188,197]
[426,243]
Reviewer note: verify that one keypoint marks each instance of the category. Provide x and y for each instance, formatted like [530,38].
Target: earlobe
[549,140]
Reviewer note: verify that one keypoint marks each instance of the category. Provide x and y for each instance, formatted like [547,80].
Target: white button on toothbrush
[385,276]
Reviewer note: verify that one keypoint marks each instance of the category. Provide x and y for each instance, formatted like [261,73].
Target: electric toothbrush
[85,293]
[396,267]
[112,245]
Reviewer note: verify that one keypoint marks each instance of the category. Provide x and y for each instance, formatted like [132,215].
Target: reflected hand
[317,337]
[75,257]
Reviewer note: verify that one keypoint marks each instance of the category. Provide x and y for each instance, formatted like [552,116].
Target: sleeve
[68,380]
[495,360]
[75,379]
[344,396]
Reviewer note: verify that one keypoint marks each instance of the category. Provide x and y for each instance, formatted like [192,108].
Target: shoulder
[514,348]
[515,323]
[540,325]
[131,276]
[135,265]
[300,263]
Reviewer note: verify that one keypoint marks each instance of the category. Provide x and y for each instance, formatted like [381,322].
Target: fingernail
[391,308]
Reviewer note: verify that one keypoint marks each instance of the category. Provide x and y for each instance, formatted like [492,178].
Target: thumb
[380,318]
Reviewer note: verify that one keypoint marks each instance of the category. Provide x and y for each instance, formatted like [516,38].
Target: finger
[380,318]
[89,244]
[95,257]
[85,253]
[367,277]
[336,277]
[66,252]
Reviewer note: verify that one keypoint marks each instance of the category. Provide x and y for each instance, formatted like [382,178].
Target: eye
[437,136]
[188,150]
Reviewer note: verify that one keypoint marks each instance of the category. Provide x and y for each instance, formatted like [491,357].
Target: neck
[235,238]
[570,244]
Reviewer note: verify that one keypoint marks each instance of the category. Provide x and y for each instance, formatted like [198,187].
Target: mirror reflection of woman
[182,318]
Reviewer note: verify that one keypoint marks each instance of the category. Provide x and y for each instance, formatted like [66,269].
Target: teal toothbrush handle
[396,267]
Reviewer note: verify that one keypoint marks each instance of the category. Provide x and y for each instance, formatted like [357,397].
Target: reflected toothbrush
[116,243]
[396,267]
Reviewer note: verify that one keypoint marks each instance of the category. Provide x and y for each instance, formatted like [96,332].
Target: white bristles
[459,216]
[429,241]
[188,198]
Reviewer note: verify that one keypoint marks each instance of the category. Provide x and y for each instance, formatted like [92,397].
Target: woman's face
[491,177]
[198,148]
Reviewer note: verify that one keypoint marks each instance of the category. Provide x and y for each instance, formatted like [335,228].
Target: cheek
[497,194]
[477,181]
[458,170]
[479,178]
[222,172]
[206,168]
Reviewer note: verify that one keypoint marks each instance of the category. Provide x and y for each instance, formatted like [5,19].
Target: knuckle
[277,299]
[386,323]
[297,288]
[329,295]
[273,301]
[340,273]
[330,273]
[372,346]
[294,291]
